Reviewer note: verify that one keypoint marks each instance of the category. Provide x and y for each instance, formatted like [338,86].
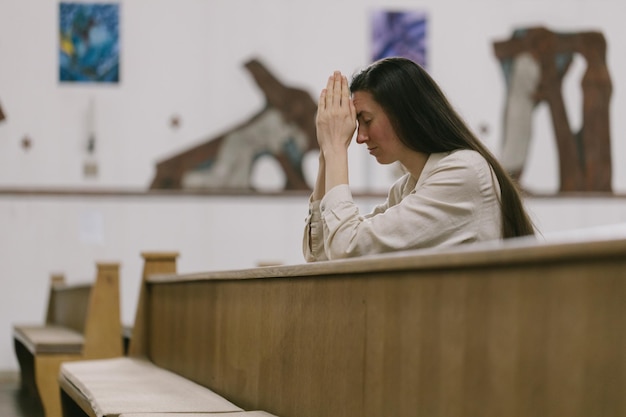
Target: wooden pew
[522,328]
[126,378]
[82,322]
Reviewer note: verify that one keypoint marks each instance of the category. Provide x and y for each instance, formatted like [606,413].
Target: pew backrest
[82,322]
[521,328]
[68,303]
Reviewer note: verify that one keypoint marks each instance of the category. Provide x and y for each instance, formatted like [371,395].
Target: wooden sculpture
[284,128]
[584,156]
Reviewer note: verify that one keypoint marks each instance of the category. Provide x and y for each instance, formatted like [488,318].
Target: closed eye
[364,121]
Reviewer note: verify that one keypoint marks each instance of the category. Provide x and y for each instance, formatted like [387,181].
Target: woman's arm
[313,238]
[320,183]
[335,123]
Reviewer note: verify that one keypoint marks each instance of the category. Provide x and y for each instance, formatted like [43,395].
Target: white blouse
[454,201]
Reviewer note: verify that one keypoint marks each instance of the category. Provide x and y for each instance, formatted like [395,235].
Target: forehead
[364,102]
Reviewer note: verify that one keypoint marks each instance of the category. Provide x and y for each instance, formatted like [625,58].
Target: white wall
[185,57]
[45,234]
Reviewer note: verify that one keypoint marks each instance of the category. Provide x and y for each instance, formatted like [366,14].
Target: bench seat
[49,339]
[130,385]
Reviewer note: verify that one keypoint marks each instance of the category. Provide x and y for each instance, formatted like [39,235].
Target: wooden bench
[522,328]
[130,385]
[82,322]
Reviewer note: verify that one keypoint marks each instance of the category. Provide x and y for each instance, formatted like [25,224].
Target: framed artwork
[399,33]
[89,42]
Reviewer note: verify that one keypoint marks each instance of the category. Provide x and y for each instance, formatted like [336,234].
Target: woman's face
[375,130]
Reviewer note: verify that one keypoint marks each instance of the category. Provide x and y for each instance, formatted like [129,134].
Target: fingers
[336,94]
[337,88]
[322,101]
[345,91]
[336,116]
[337,91]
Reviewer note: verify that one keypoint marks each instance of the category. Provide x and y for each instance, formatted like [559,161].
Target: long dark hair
[426,122]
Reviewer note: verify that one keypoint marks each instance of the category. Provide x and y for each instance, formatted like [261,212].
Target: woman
[454,191]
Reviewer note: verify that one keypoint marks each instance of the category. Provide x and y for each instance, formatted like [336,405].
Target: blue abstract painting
[89,42]
[396,33]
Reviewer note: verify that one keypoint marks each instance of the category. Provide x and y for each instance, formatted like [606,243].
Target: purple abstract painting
[396,33]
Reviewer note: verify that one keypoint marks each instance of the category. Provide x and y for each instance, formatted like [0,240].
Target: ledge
[599,244]
[139,192]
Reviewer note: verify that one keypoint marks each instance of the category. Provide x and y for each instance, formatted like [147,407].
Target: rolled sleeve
[313,241]
[336,205]
[340,216]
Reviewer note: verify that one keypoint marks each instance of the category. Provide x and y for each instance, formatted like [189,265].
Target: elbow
[337,253]
[344,248]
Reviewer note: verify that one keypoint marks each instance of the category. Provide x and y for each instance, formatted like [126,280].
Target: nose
[361,136]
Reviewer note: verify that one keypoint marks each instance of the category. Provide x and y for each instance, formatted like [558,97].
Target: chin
[384,161]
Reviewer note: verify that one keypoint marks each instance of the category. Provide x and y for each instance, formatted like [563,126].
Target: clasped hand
[336,115]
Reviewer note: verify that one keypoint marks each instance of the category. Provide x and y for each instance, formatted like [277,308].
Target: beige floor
[14,403]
